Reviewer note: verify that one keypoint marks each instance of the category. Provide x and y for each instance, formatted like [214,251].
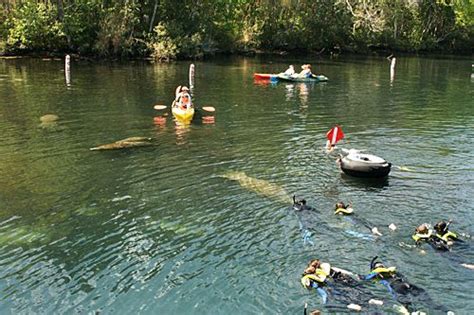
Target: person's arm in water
[389,288]
[322,293]
[370,276]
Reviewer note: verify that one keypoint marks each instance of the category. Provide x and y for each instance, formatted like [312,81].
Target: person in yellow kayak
[183,98]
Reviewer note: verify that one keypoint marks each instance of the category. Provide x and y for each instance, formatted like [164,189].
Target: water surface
[170,229]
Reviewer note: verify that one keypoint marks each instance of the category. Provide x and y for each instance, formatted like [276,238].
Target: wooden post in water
[191,76]
[67,70]
[392,69]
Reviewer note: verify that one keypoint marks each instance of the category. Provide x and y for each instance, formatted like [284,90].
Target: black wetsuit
[306,219]
[407,294]
[359,221]
[434,242]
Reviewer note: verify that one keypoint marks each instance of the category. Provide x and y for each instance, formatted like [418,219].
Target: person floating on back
[317,274]
[314,277]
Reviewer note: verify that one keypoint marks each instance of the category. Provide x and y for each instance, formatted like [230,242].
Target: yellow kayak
[182,115]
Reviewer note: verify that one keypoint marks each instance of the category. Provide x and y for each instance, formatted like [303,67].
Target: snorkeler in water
[306,219]
[443,233]
[423,234]
[439,238]
[337,284]
[347,210]
[400,289]
[314,277]
[300,205]
[317,274]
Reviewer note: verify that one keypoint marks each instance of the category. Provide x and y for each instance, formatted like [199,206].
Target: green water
[199,223]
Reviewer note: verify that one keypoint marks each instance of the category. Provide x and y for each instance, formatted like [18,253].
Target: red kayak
[264,76]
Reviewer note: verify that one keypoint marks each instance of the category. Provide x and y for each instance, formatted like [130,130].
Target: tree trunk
[152,22]
[60,10]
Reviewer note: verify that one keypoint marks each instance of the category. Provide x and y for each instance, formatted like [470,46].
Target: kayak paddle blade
[209,108]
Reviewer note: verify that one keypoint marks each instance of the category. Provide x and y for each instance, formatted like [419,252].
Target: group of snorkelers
[304,73]
[440,237]
[322,277]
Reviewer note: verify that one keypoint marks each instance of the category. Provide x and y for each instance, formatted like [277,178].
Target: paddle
[210,109]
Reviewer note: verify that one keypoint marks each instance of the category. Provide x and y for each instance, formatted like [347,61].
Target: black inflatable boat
[364,165]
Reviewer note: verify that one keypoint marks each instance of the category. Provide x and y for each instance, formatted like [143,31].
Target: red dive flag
[335,134]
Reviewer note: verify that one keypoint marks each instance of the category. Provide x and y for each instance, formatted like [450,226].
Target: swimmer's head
[340,205]
[422,229]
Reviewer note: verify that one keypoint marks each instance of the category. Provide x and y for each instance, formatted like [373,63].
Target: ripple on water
[161,231]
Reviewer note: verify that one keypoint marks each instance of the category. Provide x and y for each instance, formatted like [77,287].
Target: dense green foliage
[168,29]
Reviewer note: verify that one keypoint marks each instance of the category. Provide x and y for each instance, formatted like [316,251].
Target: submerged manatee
[131,142]
[260,186]
[49,122]
[48,118]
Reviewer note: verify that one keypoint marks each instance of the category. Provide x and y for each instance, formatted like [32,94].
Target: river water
[201,221]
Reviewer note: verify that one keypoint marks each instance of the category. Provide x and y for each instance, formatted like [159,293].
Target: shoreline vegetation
[164,30]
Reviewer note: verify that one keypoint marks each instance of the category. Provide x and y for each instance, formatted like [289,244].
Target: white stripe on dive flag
[334,135]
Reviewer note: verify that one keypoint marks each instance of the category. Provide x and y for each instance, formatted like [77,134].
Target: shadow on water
[359,182]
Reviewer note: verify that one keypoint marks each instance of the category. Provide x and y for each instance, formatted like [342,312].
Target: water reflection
[289,91]
[366,183]
[302,90]
[264,82]
[159,121]
[208,120]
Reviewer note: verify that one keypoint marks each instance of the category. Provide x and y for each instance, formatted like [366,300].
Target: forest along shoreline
[162,31]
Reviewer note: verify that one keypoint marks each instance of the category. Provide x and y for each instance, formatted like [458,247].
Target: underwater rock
[131,142]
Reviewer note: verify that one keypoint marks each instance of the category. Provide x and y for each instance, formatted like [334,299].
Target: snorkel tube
[373,262]
[447,226]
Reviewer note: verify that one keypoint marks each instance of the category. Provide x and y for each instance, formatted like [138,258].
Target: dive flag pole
[334,135]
